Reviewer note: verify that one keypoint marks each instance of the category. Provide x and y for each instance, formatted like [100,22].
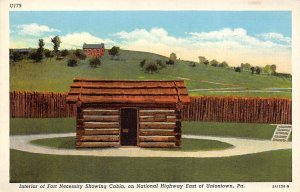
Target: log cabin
[94,50]
[117,113]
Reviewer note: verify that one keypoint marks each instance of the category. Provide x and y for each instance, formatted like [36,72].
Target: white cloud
[232,45]
[275,37]
[76,40]
[68,41]
[34,29]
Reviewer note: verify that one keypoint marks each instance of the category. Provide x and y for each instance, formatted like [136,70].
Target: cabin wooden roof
[133,92]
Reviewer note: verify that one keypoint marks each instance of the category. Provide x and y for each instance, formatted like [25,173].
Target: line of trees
[246,67]
[214,62]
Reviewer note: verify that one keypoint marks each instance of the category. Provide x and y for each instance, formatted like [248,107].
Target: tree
[267,69]
[95,62]
[214,63]
[173,56]
[252,70]
[114,52]
[56,43]
[39,55]
[202,59]
[245,66]
[257,70]
[273,69]
[223,64]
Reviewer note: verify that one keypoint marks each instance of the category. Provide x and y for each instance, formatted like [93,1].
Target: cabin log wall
[97,127]
[159,128]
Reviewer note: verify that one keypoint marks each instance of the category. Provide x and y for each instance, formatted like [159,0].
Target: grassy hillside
[56,76]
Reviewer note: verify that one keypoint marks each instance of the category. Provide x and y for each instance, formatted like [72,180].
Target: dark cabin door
[128,127]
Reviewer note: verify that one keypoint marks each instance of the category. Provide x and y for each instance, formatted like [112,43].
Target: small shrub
[170,62]
[214,63]
[37,55]
[73,61]
[49,54]
[237,69]
[114,51]
[95,62]
[192,64]
[16,56]
[224,64]
[64,53]
[80,54]
[142,63]
[160,64]
[32,55]
[206,62]
[151,67]
[284,75]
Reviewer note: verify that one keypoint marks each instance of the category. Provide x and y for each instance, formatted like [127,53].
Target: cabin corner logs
[128,113]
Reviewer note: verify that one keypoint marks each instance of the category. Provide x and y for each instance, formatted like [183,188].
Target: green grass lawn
[187,144]
[59,142]
[247,130]
[25,126]
[56,76]
[272,166]
[29,167]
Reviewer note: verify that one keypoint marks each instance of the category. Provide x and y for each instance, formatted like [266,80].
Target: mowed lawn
[55,76]
[266,166]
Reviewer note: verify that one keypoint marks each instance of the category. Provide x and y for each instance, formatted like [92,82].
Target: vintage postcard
[150,95]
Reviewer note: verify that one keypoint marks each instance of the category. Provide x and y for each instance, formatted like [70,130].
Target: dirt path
[242,146]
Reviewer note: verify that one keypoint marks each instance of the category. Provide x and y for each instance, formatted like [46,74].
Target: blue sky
[175,22]
[218,34]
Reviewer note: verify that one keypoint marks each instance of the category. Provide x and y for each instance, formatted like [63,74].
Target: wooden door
[128,127]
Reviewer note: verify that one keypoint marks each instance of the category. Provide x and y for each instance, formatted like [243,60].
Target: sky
[256,37]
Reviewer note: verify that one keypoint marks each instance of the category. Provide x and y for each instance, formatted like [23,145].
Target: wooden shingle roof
[93,46]
[122,92]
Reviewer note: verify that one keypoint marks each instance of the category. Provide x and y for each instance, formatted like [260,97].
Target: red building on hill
[95,50]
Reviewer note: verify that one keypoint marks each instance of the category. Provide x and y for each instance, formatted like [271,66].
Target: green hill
[54,75]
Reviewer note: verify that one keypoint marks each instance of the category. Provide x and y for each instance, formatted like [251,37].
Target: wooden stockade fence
[206,108]
[40,105]
[239,109]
